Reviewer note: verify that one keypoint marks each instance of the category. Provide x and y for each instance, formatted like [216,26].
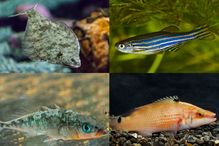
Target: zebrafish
[56,124]
[168,114]
[165,40]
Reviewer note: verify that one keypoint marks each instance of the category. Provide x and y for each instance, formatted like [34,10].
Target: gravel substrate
[207,135]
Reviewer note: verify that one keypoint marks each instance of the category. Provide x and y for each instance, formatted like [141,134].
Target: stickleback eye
[87,128]
[121,46]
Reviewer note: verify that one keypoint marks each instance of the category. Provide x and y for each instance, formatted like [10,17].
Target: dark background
[128,91]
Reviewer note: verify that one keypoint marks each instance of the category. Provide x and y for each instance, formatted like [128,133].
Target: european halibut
[168,114]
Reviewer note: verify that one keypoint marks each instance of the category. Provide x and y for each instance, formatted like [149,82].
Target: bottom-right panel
[164,109]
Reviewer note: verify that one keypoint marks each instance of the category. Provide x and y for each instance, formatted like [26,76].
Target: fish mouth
[101,132]
[212,117]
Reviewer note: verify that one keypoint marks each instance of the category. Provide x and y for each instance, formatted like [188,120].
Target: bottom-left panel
[54,109]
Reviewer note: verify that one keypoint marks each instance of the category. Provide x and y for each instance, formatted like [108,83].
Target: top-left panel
[44,36]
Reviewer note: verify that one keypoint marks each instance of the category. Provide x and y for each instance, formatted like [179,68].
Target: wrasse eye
[87,128]
[199,115]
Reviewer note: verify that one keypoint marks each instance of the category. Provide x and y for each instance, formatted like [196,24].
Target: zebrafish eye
[121,46]
[87,128]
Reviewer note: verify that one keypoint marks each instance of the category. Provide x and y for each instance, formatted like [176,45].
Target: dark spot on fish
[119,120]
[59,54]
[13,123]
[43,115]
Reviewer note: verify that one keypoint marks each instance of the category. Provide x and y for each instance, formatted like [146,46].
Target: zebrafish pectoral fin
[171,28]
[138,50]
[174,48]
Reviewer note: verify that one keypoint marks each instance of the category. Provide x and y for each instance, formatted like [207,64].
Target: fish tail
[203,32]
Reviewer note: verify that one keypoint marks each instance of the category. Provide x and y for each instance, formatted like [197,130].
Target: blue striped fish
[165,40]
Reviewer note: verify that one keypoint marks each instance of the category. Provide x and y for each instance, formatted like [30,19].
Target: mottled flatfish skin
[50,41]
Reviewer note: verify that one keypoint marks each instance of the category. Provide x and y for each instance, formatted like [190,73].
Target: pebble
[205,135]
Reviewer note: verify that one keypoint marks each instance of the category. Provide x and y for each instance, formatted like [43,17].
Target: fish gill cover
[136,17]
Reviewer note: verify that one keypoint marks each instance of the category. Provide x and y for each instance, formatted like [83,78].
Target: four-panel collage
[109,73]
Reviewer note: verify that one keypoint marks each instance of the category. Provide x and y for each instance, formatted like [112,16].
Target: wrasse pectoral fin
[171,28]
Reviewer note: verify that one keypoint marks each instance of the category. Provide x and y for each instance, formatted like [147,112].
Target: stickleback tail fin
[203,32]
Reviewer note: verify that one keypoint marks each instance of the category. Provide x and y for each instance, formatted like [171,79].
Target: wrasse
[168,114]
[165,40]
[56,124]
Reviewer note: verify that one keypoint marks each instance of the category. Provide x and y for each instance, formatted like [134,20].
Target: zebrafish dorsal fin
[171,28]
[168,99]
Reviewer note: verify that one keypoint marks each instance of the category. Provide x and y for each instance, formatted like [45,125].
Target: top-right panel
[160,36]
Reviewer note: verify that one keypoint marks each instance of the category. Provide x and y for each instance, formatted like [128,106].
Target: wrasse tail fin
[203,33]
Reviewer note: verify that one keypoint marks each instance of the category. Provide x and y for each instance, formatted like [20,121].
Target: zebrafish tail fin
[25,11]
[203,32]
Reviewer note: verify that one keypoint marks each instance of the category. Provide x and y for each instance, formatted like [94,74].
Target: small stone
[206,138]
[200,141]
[191,139]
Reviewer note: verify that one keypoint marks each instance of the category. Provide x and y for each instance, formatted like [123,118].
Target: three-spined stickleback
[57,124]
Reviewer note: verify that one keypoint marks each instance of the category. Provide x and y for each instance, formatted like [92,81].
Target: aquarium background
[12,58]
[128,91]
[135,17]
[21,94]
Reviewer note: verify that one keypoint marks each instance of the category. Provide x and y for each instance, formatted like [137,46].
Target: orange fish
[168,114]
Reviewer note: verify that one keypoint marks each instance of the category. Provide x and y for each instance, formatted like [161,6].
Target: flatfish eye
[87,128]
[121,46]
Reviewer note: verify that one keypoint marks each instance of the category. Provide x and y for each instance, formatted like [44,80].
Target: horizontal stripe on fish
[170,42]
[168,37]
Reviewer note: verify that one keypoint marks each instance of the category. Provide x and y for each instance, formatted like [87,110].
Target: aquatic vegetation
[135,17]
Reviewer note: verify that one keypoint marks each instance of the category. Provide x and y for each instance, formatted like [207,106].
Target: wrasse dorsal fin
[171,28]
[168,98]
